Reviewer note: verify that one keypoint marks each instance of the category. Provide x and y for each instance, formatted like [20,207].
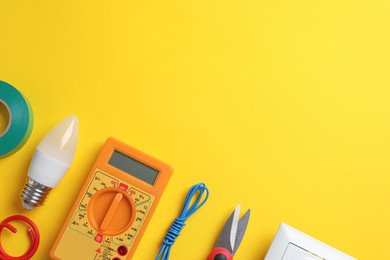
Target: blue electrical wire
[177,225]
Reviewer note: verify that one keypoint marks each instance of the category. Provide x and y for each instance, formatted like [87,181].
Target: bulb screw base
[34,194]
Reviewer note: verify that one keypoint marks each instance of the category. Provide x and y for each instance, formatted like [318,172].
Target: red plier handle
[33,233]
[220,253]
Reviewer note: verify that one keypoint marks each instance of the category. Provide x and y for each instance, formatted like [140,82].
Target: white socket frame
[292,244]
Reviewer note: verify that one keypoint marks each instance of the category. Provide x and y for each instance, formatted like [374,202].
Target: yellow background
[281,106]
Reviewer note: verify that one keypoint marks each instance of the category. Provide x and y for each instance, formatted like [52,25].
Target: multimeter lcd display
[133,167]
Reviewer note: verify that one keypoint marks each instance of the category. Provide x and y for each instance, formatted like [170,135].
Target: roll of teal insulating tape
[20,122]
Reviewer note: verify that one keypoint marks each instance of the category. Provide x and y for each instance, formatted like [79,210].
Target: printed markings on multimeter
[103,253]
[138,196]
[81,225]
[100,181]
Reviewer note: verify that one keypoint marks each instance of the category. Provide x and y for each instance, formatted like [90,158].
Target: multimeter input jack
[122,250]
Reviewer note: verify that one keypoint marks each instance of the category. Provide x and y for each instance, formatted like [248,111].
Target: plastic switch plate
[292,244]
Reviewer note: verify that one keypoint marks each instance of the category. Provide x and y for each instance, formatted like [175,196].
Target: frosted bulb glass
[50,162]
[61,141]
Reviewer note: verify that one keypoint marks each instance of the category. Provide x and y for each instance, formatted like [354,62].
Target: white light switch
[292,244]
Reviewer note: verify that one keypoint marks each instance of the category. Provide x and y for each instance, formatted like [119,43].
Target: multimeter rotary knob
[111,211]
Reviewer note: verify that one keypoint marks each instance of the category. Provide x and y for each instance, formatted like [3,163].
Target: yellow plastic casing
[112,210]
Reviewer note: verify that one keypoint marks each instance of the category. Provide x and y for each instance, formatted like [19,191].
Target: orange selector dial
[111,211]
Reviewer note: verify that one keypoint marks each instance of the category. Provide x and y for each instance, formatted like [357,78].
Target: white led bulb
[50,162]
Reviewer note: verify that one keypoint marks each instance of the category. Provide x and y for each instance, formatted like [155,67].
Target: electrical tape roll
[20,123]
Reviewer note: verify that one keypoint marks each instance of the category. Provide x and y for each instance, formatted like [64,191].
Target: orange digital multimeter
[114,206]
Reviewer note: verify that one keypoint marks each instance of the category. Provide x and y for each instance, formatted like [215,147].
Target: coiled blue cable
[177,225]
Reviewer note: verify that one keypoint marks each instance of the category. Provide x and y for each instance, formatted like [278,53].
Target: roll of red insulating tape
[20,121]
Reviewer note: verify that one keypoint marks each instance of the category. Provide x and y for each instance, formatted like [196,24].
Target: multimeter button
[122,250]
[111,211]
[123,186]
[99,238]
